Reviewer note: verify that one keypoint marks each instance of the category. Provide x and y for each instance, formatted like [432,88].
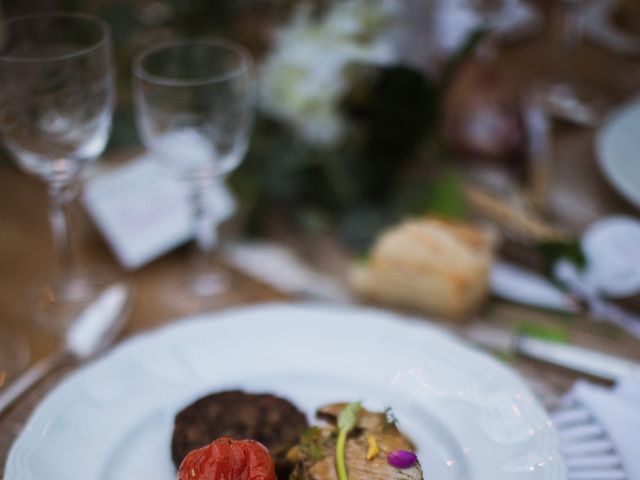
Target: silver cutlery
[97,326]
[599,309]
[586,445]
[597,364]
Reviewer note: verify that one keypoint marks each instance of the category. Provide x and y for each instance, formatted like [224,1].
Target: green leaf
[348,417]
[446,198]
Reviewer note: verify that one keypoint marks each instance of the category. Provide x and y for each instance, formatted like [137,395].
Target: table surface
[26,254]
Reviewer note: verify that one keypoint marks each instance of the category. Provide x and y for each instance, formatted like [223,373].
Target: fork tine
[590,447]
[593,462]
[615,474]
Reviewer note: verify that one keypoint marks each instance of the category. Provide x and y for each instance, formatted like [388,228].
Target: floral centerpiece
[343,124]
[307,73]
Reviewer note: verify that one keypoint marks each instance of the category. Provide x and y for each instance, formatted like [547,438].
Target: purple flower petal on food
[401,459]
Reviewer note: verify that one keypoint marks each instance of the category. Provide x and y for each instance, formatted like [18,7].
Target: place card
[143,212]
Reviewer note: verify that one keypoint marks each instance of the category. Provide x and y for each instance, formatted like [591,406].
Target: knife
[515,284]
[280,268]
[596,364]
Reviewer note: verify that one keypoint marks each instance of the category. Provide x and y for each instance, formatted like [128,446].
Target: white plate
[618,150]
[470,416]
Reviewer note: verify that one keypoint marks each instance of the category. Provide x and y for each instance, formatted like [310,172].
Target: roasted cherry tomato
[228,459]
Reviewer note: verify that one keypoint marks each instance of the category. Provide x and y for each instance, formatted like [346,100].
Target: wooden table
[26,253]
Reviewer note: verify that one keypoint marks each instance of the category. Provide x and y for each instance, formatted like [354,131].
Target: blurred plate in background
[618,150]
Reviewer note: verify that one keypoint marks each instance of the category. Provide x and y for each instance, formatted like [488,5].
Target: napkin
[143,212]
[279,267]
[599,430]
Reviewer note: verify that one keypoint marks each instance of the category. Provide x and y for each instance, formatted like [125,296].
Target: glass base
[14,353]
[56,306]
[199,292]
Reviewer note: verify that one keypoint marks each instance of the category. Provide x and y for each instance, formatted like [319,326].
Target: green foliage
[390,116]
[443,197]
[359,187]
[312,443]
[395,113]
[543,332]
[440,194]
[553,251]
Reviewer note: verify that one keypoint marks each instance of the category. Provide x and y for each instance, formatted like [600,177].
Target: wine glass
[194,108]
[57,94]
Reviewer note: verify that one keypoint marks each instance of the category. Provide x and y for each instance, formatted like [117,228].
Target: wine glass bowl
[57,97]
[194,106]
[194,109]
[57,78]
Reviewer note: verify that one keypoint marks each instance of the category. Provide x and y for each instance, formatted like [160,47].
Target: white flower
[304,77]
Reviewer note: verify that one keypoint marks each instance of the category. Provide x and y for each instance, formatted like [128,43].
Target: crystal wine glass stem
[204,222]
[61,196]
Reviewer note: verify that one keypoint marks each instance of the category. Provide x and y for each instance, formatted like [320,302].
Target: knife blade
[579,359]
[515,284]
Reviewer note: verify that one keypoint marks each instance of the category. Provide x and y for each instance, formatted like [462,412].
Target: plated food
[350,443]
[273,421]
[469,416]
[228,459]
[374,449]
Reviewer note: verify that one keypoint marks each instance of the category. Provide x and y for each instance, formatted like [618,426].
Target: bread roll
[432,265]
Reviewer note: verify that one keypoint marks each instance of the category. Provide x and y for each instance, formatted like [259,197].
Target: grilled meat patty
[270,420]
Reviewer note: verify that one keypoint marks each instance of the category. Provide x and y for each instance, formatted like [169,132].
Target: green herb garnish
[311,443]
[346,422]
[390,419]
